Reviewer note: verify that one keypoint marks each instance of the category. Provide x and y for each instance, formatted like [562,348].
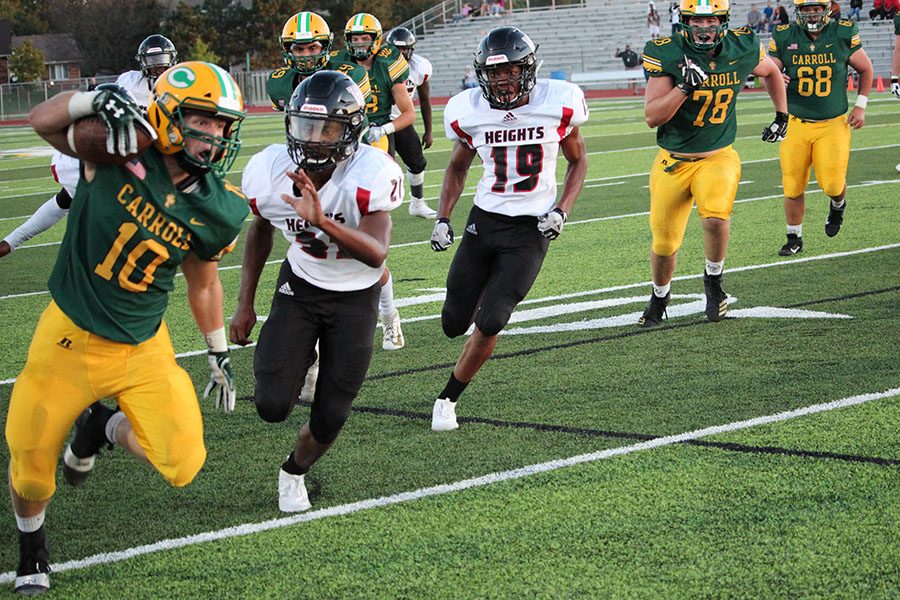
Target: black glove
[442,236]
[777,130]
[692,75]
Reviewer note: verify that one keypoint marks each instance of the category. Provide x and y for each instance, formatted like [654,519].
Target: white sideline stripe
[448,488]
[616,288]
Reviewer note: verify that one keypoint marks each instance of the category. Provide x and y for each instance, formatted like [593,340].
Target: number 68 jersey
[369,181]
[518,147]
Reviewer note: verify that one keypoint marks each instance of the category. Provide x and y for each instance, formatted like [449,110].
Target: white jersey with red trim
[369,181]
[66,171]
[420,71]
[518,147]
[138,85]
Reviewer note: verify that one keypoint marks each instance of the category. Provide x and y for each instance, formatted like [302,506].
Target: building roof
[56,47]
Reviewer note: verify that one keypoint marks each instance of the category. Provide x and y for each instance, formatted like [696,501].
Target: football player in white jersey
[330,196]
[517,124]
[65,171]
[155,54]
[406,142]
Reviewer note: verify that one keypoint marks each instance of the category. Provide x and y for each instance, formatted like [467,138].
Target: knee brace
[416,178]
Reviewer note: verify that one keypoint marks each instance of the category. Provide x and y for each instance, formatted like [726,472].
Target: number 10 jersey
[519,146]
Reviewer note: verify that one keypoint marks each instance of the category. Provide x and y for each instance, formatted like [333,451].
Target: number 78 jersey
[518,147]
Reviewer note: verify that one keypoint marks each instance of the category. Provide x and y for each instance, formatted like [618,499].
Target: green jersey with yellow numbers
[706,121]
[388,69]
[817,68]
[128,230]
[283,81]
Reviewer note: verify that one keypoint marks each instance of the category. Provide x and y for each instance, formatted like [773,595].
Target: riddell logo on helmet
[314,108]
[496,59]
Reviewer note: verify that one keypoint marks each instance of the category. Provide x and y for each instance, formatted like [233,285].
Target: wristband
[861,102]
[216,340]
[388,128]
[81,104]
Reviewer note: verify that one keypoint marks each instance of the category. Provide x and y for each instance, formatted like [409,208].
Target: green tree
[27,62]
[200,50]
[28,17]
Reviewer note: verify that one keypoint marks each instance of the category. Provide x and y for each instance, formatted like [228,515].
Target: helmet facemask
[704,38]
[501,91]
[811,19]
[309,63]
[318,142]
[360,50]
[223,149]
[154,65]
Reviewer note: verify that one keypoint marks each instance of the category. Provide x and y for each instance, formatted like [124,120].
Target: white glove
[895,86]
[551,224]
[376,132]
[442,236]
[692,75]
[221,381]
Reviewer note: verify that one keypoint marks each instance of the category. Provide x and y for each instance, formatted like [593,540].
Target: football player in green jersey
[388,72]
[814,53]
[695,77]
[103,334]
[306,43]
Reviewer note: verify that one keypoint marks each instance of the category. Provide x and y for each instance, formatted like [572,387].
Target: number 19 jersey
[367,182]
[518,147]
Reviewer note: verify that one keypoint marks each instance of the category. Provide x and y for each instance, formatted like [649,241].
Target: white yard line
[458,486]
[616,288]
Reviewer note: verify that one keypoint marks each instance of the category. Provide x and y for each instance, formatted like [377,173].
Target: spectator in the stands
[497,7]
[653,24]
[674,16]
[484,10]
[835,12]
[769,16]
[754,18]
[782,17]
[631,60]
[855,8]
[879,10]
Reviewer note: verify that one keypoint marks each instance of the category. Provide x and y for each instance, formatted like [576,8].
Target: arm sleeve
[652,58]
[45,217]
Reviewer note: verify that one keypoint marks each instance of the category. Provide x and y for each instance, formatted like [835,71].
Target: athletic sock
[714,268]
[453,389]
[795,230]
[386,299]
[660,291]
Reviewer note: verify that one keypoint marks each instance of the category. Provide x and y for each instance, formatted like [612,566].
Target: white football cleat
[308,392]
[443,415]
[418,208]
[393,335]
[292,495]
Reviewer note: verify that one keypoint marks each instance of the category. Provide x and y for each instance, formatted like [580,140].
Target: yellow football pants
[67,370]
[710,182]
[825,146]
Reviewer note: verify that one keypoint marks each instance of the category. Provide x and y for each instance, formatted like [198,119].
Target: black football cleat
[793,246]
[89,438]
[655,311]
[33,572]
[716,298]
[834,221]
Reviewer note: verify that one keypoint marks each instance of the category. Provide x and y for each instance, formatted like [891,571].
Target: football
[87,139]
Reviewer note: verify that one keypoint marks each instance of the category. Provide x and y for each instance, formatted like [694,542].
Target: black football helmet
[403,39]
[156,54]
[502,47]
[324,120]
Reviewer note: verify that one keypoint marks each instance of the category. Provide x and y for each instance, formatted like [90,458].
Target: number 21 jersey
[519,146]
[367,182]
